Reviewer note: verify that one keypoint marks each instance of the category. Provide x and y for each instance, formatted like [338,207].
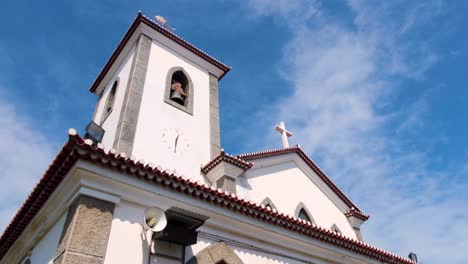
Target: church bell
[177,97]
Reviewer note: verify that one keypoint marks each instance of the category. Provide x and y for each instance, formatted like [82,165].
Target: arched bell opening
[179,90]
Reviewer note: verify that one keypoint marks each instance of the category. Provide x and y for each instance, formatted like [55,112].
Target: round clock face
[174,140]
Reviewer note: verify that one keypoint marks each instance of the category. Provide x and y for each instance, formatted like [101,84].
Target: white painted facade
[252,240]
[110,123]
[288,181]
[45,249]
[158,118]
[127,230]
[159,123]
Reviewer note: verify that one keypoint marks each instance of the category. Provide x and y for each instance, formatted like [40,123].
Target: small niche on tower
[179,90]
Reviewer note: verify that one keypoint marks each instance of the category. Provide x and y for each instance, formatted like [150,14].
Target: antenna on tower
[161,20]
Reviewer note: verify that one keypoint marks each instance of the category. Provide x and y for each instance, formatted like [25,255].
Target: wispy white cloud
[24,156]
[346,111]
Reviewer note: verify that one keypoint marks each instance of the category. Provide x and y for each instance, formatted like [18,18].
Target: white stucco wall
[287,185]
[44,251]
[127,242]
[110,124]
[156,116]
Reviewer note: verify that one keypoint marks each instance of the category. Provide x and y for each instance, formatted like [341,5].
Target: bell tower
[158,99]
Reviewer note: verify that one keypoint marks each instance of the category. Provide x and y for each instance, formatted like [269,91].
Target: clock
[174,140]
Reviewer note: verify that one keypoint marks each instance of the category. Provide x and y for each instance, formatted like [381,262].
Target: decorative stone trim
[300,206]
[126,128]
[215,136]
[188,107]
[86,232]
[216,253]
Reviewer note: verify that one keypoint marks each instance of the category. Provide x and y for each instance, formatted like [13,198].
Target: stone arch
[301,206]
[215,254]
[189,90]
[267,201]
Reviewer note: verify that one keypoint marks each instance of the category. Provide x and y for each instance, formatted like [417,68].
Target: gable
[353,209]
[291,185]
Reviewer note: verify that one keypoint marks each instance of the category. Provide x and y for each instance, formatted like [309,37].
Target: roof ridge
[224,156]
[269,151]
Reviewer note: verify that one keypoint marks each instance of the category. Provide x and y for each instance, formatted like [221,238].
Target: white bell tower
[158,99]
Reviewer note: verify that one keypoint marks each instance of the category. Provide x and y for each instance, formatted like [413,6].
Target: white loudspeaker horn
[155,219]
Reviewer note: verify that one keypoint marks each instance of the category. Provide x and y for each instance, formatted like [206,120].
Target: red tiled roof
[223,156]
[296,149]
[77,148]
[142,19]
[356,213]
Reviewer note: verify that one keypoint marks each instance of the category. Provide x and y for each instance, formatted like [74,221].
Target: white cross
[284,134]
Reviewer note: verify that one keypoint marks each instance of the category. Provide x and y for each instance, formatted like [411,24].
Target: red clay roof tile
[76,148]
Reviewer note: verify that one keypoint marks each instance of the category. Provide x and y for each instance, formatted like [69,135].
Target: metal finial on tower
[161,20]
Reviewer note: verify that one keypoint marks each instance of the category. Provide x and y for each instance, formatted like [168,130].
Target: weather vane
[161,20]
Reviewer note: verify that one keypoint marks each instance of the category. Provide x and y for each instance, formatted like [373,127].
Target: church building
[150,183]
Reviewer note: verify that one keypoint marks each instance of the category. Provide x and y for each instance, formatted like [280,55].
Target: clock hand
[175,144]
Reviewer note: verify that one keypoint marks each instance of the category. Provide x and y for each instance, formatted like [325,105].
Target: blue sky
[374,91]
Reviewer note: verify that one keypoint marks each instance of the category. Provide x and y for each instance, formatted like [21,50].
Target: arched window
[179,90]
[335,229]
[304,214]
[268,203]
[110,101]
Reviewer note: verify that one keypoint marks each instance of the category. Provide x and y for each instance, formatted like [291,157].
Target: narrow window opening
[179,88]
[110,101]
[303,215]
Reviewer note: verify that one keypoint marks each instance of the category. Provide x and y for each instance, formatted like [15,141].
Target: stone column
[215,141]
[227,184]
[86,232]
[126,128]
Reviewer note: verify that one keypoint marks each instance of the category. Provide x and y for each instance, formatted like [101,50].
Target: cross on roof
[284,134]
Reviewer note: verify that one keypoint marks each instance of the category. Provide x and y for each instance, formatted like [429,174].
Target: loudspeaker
[155,219]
